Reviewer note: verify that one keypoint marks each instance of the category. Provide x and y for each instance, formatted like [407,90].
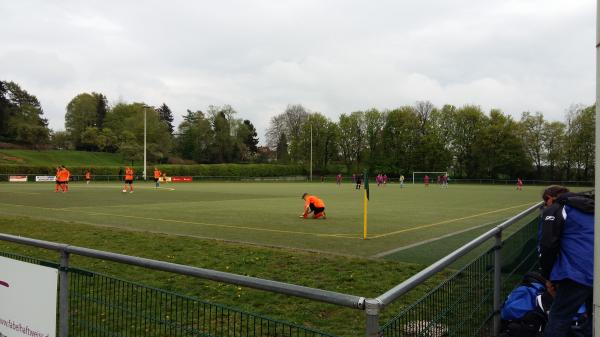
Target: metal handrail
[417,279]
[327,296]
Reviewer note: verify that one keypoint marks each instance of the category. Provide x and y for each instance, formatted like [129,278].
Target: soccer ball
[124,191]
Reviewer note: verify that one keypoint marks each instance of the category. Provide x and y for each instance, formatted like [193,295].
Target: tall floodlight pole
[596,314]
[311,149]
[145,108]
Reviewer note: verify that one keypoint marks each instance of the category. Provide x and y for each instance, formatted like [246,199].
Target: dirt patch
[10,159]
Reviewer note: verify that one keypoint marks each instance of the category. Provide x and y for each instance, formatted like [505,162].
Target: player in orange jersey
[88,177]
[128,179]
[66,178]
[157,175]
[313,204]
[58,180]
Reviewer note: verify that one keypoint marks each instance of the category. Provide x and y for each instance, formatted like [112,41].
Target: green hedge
[213,170]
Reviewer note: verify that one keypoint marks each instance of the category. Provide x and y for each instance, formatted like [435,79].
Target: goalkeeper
[312,204]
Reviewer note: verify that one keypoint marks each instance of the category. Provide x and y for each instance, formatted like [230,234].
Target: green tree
[223,142]
[247,140]
[282,149]
[498,149]
[423,110]
[126,123]
[84,111]
[374,123]
[195,137]
[21,116]
[553,142]
[463,126]
[400,136]
[101,109]
[60,140]
[352,138]
[165,114]
[5,108]
[532,134]
[582,133]
[324,139]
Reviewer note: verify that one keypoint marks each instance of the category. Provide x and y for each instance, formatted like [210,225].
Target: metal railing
[65,251]
[467,302]
[108,306]
[477,285]
[487,273]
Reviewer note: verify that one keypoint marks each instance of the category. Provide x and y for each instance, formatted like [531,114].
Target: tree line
[466,141]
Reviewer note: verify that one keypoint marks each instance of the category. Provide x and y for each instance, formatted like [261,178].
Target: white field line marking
[445,236]
[184,222]
[116,187]
[377,236]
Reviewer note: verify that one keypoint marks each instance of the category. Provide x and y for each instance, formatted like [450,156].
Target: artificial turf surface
[267,213]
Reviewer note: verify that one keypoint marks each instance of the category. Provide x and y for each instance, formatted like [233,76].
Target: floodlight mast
[144,174]
[311,152]
[596,313]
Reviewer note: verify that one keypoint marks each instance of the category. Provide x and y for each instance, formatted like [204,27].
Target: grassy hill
[62,157]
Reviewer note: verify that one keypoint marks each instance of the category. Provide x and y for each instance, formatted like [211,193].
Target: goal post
[431,174]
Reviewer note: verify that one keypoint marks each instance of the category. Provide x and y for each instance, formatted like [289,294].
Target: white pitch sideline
[416,244]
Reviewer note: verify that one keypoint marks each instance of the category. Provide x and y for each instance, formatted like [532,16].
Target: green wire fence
[101,305]
[463,304]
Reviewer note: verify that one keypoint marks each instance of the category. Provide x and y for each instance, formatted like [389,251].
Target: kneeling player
[313,204]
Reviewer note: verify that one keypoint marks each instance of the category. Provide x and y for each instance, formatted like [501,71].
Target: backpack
[523,313]
[521,301]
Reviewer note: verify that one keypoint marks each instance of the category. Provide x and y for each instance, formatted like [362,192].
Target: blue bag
[521,301]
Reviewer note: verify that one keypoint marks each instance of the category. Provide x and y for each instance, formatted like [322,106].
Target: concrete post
[372,310]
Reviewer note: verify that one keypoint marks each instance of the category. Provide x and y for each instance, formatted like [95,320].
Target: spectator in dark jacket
[566,247]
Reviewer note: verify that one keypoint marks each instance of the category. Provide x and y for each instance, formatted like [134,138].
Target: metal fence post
[372,310]
[497,283]
[63,295]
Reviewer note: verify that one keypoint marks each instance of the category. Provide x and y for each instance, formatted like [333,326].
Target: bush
[211,170]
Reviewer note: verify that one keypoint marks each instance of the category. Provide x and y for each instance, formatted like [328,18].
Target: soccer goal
[418,176]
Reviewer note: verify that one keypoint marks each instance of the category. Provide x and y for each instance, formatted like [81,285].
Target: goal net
[418,177]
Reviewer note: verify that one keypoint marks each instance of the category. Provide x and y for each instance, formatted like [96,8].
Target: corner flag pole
[366,205]
[596,313]
[311,150]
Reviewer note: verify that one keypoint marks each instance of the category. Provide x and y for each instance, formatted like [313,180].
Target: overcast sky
[331,56]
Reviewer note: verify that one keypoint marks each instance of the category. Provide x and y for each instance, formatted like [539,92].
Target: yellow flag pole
[366,203]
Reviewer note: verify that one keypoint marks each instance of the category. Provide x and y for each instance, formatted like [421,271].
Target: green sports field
[413,224]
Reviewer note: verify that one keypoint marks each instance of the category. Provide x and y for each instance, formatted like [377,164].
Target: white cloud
[332,56]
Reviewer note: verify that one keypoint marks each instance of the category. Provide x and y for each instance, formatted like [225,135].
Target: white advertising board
[17,179]
[28,294]
[45,178]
